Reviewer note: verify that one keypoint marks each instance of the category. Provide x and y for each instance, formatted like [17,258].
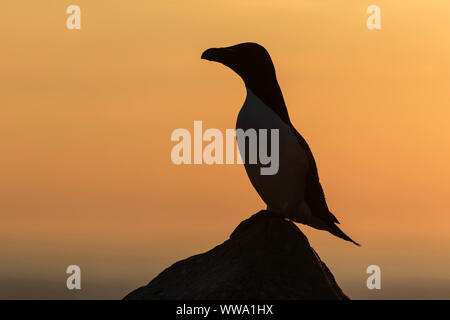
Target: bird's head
[249,60]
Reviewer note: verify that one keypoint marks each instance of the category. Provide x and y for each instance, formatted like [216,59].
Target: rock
[266,257]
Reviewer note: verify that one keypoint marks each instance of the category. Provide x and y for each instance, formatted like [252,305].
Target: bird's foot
[274,214]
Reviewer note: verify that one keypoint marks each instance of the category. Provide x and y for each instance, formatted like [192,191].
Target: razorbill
[294,192]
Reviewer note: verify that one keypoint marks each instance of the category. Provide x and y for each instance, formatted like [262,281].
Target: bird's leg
[292,210]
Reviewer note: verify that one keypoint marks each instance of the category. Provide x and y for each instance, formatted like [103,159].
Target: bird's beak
[217,54]
[212,54]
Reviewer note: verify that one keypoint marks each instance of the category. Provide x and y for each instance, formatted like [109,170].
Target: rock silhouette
[266,257]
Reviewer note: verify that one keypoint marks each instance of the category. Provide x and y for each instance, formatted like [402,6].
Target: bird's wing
[314,195]
[315,198]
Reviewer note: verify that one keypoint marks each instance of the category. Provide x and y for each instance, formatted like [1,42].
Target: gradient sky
[86,118]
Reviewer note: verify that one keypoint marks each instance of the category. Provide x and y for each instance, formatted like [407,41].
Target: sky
[86,176]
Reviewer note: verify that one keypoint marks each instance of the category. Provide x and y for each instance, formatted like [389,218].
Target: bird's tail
[334,229]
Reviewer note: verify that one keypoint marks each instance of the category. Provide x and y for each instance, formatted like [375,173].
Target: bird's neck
[270,93]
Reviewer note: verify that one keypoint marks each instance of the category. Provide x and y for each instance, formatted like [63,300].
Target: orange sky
[86,175]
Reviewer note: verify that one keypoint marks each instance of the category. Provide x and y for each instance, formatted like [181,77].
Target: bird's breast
[287,185]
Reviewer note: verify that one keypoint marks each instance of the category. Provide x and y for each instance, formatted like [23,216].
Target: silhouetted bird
[294,192]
